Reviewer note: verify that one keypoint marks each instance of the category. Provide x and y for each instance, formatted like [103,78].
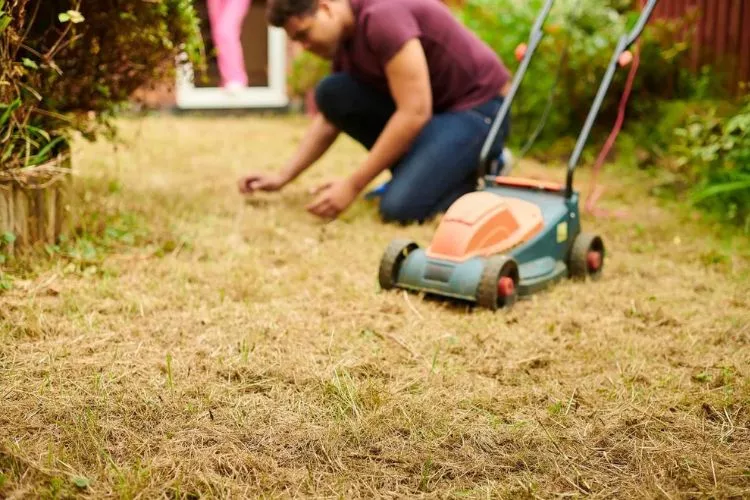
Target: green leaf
[8,152]
[702,377]
[717,189]
[42,154]
[81,482]
[4,22]
[29,63]
[8,237]
[72,15]
[739,123]
[39,131]
[9,109]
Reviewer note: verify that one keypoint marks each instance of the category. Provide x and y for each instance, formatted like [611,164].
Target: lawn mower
[513,236]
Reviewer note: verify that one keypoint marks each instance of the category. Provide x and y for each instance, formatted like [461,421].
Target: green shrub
[306,72]
[580,36]
[68,65]
[713,154]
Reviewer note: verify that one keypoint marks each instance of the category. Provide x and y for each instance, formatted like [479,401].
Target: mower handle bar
[534,38]
[622,45]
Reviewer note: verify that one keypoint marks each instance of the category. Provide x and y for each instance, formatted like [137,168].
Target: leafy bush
[580,36]
[306,72]
[713,154]
[68,65]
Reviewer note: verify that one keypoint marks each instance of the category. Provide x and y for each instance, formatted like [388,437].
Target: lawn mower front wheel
[391,261]
[587,256]
[498,286]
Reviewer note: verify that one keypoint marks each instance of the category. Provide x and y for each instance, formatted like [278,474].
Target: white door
[265,55]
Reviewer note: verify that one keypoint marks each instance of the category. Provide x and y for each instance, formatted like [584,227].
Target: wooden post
[32,212]
[34,205]
[49,217]
[62,209]
[6,213]
[20,216]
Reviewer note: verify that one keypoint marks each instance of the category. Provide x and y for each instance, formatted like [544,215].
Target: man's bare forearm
[318,139]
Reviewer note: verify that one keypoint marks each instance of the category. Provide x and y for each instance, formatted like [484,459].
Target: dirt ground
[188,343]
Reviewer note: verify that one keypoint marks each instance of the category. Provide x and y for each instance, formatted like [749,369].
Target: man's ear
[326,6]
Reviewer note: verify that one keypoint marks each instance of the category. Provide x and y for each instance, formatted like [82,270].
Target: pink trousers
[226,18]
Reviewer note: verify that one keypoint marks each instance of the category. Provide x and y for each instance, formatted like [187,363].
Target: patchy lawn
[186,343]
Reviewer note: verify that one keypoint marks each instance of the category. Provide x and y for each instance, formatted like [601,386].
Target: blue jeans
[442,163]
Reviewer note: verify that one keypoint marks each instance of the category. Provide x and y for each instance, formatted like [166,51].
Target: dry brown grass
[224,349]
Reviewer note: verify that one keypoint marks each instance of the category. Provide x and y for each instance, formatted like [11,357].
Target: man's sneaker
[377,192]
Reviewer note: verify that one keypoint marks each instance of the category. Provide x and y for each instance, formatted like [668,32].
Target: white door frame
[272,96]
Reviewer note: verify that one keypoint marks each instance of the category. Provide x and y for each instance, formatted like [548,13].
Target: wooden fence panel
[722,33]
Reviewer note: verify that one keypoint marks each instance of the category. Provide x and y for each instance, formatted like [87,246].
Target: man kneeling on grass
[411,84]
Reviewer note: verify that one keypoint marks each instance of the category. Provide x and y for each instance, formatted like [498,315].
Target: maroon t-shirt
[464,71]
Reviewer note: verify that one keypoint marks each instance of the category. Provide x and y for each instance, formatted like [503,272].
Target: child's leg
[226,26]
[214,11]
[441,166]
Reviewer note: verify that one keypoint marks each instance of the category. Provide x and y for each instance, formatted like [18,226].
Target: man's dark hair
[278,12]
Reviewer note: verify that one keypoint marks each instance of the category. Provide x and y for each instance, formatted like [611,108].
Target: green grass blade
[9,109]
[39,131]
[43,153]
[718,189]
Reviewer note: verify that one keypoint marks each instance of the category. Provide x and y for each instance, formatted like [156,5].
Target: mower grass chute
[513,236]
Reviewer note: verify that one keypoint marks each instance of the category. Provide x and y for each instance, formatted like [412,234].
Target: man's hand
[317,140]
[333,198]
[261,182]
